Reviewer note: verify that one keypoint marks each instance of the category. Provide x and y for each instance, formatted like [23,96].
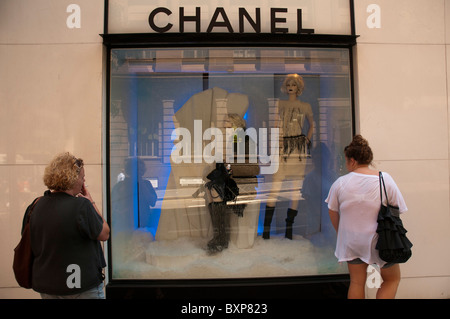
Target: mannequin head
[293,84]
[235,121]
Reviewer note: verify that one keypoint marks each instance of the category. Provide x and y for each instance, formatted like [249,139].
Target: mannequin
[224,186]
[211,107]
[291,122]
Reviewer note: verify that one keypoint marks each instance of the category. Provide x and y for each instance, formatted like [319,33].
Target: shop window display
[221,158]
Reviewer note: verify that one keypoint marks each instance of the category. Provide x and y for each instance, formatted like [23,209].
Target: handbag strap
[32,207]
[383,186]
[27,215]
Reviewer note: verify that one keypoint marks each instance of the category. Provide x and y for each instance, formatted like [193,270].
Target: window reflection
[176,115]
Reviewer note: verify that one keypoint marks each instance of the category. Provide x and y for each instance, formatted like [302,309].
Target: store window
[221,158]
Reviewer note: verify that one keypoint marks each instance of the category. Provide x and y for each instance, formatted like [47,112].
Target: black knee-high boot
[215,224]
[267,221]
[291,213]
[220,220]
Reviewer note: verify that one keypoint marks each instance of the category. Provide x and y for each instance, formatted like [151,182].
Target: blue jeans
[93,293]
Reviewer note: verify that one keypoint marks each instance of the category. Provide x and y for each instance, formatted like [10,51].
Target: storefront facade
[169,90]
[185,89]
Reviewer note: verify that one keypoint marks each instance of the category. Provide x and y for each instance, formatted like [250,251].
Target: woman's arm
[334,216]
[104,234]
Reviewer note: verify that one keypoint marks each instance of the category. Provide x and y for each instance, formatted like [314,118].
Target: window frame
[147,287]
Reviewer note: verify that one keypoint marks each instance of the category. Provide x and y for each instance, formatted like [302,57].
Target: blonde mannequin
[292,114]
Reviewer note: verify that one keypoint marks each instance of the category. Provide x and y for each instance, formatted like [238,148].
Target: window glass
[221,159]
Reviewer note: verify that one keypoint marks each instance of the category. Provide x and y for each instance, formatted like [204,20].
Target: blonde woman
[66,230]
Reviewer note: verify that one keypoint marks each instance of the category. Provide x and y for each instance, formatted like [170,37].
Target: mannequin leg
[267,221]
[220,220]
[215,224]
[291,213]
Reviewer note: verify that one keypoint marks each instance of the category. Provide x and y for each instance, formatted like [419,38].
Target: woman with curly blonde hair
[66,230]
[62,173]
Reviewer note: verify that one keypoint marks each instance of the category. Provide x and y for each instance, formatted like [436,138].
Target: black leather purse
[393,245]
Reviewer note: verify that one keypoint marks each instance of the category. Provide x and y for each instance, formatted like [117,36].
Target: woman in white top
[353,203]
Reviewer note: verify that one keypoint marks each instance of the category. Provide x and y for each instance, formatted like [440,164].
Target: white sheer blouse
[356,197]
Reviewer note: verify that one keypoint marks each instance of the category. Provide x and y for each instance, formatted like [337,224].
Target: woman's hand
[85,193]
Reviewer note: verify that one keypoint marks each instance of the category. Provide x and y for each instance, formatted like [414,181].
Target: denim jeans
[93,293]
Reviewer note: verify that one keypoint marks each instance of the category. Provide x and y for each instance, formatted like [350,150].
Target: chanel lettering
[161,20]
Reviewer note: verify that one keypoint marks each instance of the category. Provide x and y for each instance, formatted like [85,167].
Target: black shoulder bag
[393,245]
